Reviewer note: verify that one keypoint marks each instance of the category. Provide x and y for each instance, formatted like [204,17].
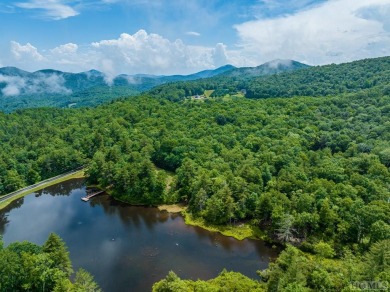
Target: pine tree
[84,282]
[58,252]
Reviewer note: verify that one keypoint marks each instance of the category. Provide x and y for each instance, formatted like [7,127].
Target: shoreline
[173,208]
[240,231]
[78,174]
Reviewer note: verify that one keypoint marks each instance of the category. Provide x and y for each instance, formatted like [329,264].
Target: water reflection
[62,189]
[127,248]
[13,205]
[3,221]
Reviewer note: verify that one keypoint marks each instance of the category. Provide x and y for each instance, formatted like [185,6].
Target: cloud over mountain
[335,31]
[140,52]
[312,32]
[24,52]
[42,83]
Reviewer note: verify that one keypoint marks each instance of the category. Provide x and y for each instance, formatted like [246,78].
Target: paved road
[42,183]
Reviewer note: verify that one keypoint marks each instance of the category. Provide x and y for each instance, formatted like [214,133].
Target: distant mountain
[54,88]
[230,80]
[161,79]
[199,75]
[327,80]
[269,68]
[212,73]
[13,71]
[292,79]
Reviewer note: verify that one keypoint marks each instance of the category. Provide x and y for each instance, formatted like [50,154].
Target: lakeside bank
[8,198]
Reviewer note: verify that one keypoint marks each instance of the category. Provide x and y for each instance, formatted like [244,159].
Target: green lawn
[208,93]
[240,231]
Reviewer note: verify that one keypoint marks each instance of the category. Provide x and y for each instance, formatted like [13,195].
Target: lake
[127,248]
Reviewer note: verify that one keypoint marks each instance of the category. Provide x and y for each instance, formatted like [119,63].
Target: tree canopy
[25,266]
[309,171]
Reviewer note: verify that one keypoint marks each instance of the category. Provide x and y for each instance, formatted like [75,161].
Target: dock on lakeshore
[87,197]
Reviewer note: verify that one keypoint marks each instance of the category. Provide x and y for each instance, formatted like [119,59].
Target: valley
[303,157]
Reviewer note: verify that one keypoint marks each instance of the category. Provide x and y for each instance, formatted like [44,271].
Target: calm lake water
[127,248]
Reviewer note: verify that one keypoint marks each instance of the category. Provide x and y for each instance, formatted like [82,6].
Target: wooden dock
[87,197]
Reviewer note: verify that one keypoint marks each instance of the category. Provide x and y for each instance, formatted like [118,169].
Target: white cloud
[42,83]
[193,33]
[27,51]
[336,31]
[332,32]
[12,86]
[220,57]
[130,54]
[66,49]
[139,52]
[11,90]
[274,64]
[268,8]
[48,83]
[51,9]
[151,53]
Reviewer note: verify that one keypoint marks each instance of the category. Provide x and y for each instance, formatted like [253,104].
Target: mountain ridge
[323,80]
[227,70]
[11,71]
[55,88]
[268,68]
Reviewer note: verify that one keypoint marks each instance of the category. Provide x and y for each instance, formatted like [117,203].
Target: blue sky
[185,36]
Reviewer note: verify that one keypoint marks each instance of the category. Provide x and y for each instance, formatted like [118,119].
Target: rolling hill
[53,88]
[268,68]
[285,81]
[308,172]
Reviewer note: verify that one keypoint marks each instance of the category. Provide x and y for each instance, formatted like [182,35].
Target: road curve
[41,183]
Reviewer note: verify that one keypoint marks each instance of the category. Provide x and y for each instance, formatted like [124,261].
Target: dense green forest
[26,266]
[226,281]
[313,81]
[309,171]
[84,98]
[324,80]
[298,271]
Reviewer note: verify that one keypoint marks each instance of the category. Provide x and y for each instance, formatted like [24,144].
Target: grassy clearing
[239,232]
[175,208]
[79,174]
[229,97]
[208,93]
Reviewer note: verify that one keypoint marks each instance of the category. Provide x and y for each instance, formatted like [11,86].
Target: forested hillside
[303,81]
[268,68]
[51,88]
[324,80]
[309,171]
